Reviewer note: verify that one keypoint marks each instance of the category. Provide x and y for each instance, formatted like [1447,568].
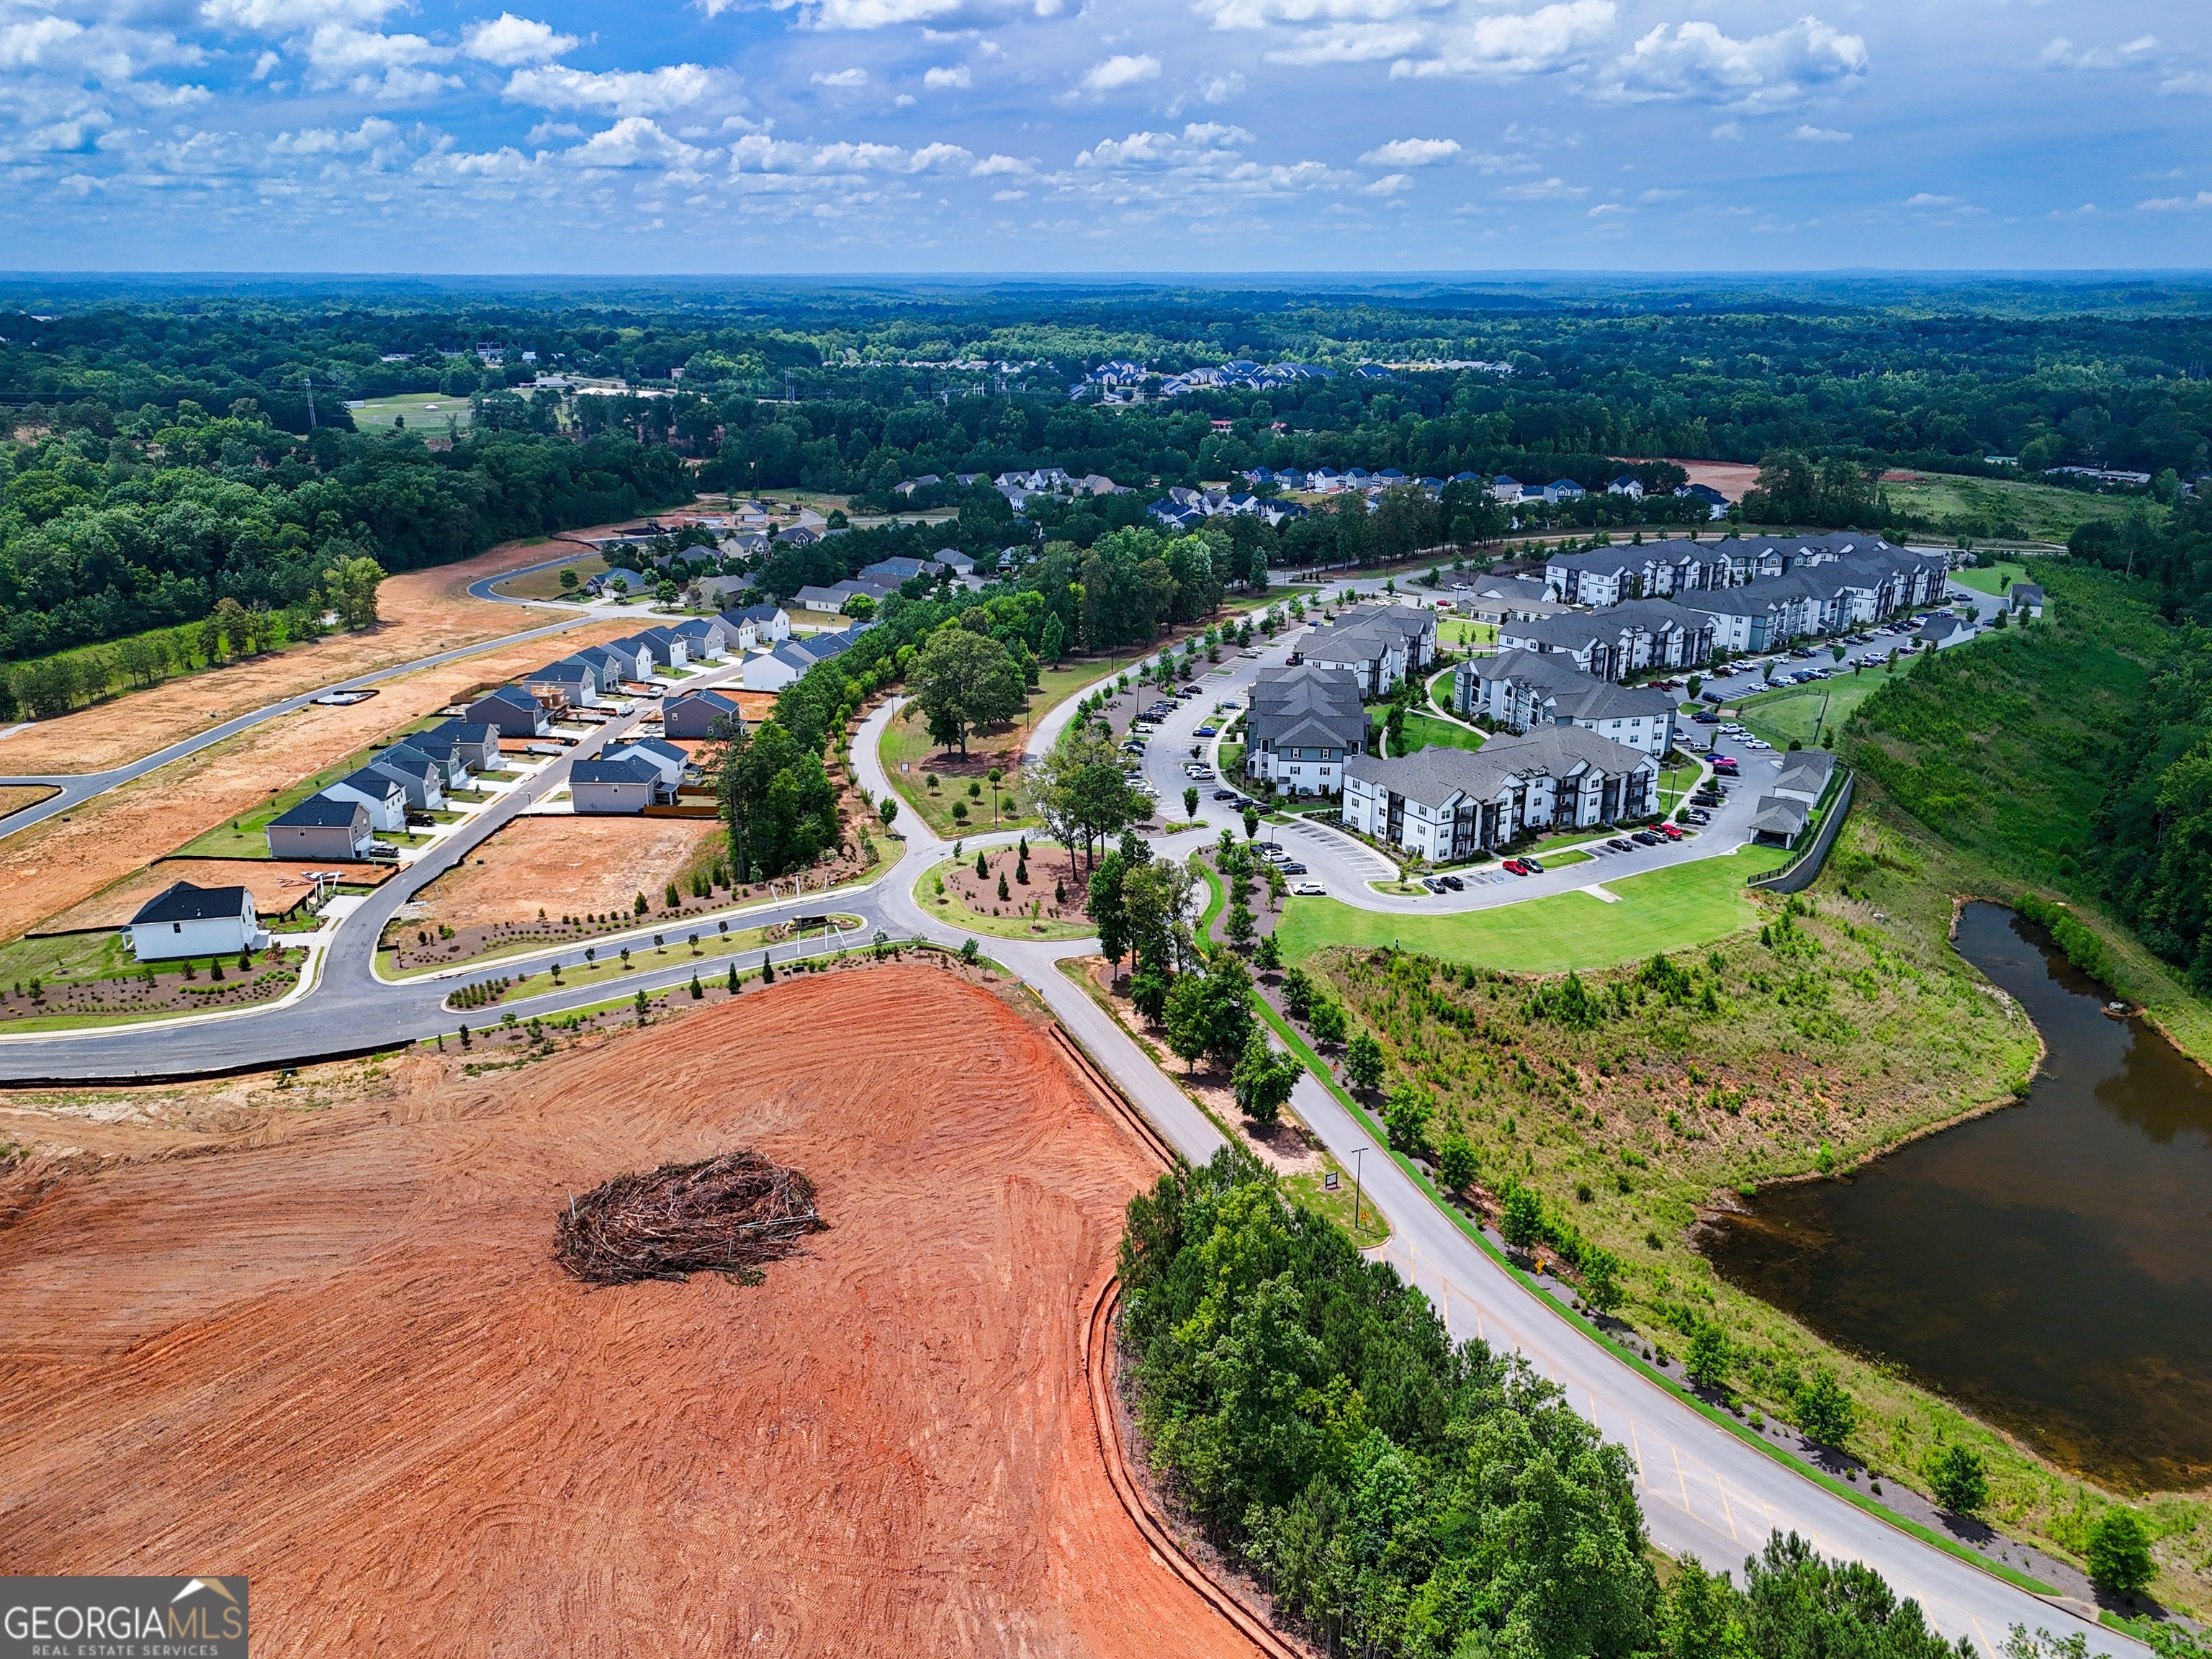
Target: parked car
[1454,882]
[1433,884]
[1514,866]
[1225,794]
[1308,889]
[1620,845]
[1532,866]
[1673,832]
[1209,731]
[1292,867]
[1644,838]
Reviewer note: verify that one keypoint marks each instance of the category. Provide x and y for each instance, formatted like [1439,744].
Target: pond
[2047,1266]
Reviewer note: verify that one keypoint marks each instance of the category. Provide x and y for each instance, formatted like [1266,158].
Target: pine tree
[768,970]
[733,979]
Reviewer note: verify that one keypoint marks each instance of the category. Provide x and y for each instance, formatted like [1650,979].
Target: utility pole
[1358,1152]
[309,381]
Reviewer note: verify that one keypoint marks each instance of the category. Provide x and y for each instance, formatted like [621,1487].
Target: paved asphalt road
[1704,1490]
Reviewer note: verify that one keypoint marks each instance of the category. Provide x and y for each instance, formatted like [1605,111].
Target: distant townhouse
[513,710]
[694,714]
[1628,484]
[421,777]
[772,670]
[1942,632]
[477,746]
[1303,723]
[832,600]
[1804,775]
[2026,596]
[756,625]
[319,828]
[706,639]
[1445,804]
[893,572]
[1524,691]
[186,921]
[384,795]
[667,760]
[670,650]
[569,684]
[625,783]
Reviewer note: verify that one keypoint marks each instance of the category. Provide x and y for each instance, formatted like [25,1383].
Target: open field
[424,612]
[427,412]
[342,1358]
[1992,579]
[1731,478]
[1781,717]
[546,584]
[14,797]
[1671,909]
[57,864]
[524,886]
[2007,508]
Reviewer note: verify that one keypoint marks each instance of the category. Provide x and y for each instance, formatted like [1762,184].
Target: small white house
[184,921]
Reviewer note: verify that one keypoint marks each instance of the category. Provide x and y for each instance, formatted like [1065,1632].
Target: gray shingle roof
[182,902]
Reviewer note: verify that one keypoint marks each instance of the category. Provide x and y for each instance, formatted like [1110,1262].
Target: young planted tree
[1959,1479]
[1362,1059]
[1263,1079]
[2119,1552]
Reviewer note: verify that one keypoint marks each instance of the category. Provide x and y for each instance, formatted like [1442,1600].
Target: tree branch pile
[731,1214]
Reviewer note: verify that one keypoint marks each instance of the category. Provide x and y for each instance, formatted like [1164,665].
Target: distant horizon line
[2052,274]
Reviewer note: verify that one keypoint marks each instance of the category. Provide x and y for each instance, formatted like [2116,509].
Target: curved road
[1704,1491]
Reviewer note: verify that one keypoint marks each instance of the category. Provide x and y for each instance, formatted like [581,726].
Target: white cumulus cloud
[1119,70]
[616,92]
[2177,204]
[510,41]
[957,75]
[1413,152]
[1550,39]
[635,141]
[1696,62]
[1808,133]
[844,77]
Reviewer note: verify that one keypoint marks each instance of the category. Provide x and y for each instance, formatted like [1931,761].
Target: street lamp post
[1356,1167]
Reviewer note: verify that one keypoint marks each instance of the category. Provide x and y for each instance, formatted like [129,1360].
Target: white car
[1308,889]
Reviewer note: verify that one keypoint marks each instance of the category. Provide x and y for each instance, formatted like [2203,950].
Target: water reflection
[2048,1265]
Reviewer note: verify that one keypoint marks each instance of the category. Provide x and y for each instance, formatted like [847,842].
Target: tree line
[1400,1494]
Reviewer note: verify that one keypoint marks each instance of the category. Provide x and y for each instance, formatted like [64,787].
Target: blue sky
[897,136]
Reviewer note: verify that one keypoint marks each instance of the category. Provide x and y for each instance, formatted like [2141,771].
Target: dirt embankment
[345,1363]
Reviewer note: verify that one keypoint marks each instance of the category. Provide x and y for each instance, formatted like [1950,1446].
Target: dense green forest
[1402,1496]
[2077,751]
[162,458]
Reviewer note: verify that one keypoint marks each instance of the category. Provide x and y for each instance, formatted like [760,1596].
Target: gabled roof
[1808,768]
[321,810]
[623,768]
[513,695]
[182,902]
[728,705]
[410,760]
[658,746]
[752,613]
[369,782]
[1779,816]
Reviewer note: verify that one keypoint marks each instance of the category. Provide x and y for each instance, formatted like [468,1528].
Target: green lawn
[422,411]
[1457,631]
[1990,578]
[1781,717]
[2009,508]
[1232,761]
[1422,730]
[1440,689]
[1672,909]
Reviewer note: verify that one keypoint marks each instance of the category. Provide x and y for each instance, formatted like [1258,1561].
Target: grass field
[1690,904]
[1457,631]
[1781,717]
[1991,578]
[1423,729]
[2010,508]
[422,411]
[546,584]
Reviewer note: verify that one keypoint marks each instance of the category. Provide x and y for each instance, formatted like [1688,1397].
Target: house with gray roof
[757,625]
[319,828]
[476,745]
[1805,774]
[384,795]
[186,921]
[670,649]
[1379,644]
[694,714]
[422,778]
[571,682]
[513,710]
[2026,596]
[706,639]
[1778,820]
[626,783]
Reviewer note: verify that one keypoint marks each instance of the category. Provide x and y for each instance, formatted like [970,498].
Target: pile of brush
[732,1215]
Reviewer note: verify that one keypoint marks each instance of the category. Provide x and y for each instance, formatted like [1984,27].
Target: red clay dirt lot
[336,1355]
[566,866]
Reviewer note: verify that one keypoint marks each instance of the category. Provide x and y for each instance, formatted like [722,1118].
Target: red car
[1516,866]
[1670,831]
